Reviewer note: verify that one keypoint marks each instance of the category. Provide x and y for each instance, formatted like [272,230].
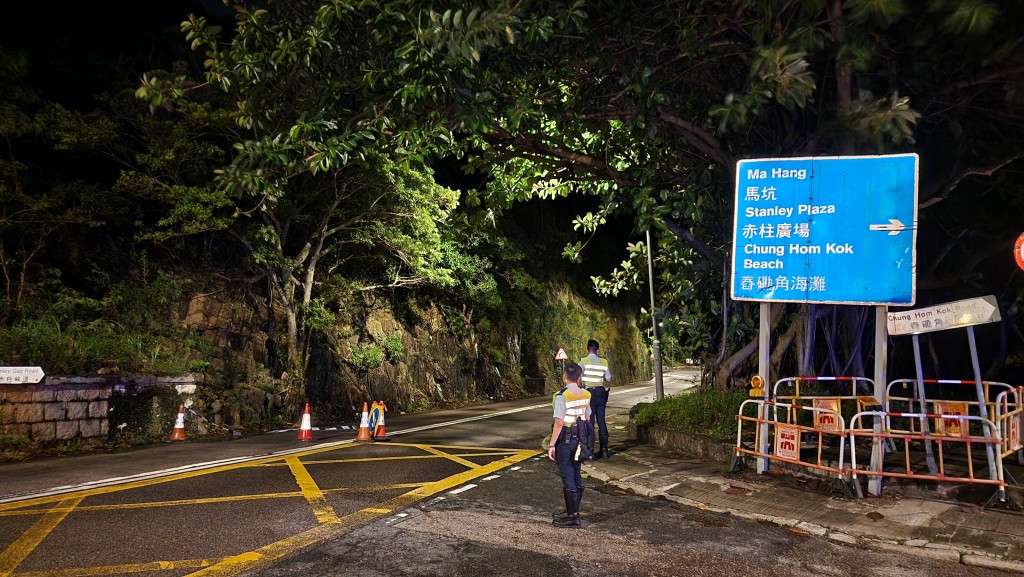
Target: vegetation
[711,413]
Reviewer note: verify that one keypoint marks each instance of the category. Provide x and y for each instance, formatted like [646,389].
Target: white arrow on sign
[952,315]
[894,226]
[20,375]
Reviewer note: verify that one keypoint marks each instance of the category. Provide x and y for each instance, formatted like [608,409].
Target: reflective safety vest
[593,372]
[575,405]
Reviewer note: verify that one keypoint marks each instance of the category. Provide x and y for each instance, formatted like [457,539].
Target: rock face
[414,355]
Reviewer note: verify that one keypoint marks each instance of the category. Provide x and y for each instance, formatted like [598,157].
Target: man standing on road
[572,408]
[597,377]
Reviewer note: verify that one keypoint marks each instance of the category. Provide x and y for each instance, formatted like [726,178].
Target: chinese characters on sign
[827,229]
[20,375]
[951,315]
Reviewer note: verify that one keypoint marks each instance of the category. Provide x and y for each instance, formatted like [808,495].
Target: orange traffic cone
[305,430]
[178,434]
[379,434]
[364,426]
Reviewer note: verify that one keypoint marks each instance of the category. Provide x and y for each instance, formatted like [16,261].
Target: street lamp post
[659,384]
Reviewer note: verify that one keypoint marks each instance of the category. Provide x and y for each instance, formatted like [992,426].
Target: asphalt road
[465,492]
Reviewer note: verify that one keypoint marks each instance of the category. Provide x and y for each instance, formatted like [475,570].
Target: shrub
[710,412]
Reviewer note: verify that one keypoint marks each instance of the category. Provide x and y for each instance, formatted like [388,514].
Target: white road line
[462,489]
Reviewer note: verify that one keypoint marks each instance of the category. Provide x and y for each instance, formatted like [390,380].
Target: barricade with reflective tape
[794,389]
[909,470]
[944,427]
[1009,420]
[787,437]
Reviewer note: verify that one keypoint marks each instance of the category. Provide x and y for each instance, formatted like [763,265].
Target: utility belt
[570,431]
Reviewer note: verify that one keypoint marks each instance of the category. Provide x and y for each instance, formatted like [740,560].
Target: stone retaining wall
[72,408]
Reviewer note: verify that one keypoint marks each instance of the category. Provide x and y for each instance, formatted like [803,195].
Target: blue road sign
[839,230]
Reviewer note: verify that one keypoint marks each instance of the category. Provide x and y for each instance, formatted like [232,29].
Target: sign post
[833,230]
[20,375]
[952,315]
[561,356]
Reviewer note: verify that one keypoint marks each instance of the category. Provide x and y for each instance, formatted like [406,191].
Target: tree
[643,106]
[647,106]
[327,189]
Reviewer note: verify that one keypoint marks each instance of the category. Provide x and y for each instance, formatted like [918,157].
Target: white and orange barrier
[963,443]
[786,437]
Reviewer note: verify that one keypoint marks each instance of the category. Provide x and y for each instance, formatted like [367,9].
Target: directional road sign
[826,230]
[965,313]
[20,375]
[560,355]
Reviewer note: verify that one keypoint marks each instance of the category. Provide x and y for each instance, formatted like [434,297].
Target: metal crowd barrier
[909,471]
[1009,420]
[834,400]
[787,436]
[780,427]
[894,403]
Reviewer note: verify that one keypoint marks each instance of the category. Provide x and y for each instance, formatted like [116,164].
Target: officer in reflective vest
[572,407]
[597,378]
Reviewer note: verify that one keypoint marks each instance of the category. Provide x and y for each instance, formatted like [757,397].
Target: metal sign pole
[923,407]
[982,403]
[881,357]
[763,358]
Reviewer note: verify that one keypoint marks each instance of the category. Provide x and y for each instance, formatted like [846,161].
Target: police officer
[572,407]
[597,377]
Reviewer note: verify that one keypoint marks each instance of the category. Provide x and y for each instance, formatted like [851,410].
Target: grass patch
[710,412]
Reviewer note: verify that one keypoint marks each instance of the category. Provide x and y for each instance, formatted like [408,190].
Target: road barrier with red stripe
[936,405]
[1009,420]
[788,436]
[846,395]
[910,470]
[780,429]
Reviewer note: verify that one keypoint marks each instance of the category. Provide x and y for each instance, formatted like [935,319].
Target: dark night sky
[79,49]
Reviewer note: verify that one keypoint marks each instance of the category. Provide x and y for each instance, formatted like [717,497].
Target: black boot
[603,452]
[572,510]
[563,515]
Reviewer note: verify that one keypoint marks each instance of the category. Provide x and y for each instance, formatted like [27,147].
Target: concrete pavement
[904,520]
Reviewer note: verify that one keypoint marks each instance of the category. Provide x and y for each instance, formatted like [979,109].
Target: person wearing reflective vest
[572,409]
[597,378]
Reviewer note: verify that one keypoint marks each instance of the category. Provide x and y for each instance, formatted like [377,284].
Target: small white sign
[952,315]
[560,355]
[20,375]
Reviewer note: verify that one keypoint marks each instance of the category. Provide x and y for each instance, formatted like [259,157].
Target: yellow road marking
[205,501]
[331,525]
[148,482]
[459,460]
[438,455]
[232,566]
[321,507]
[124,569]
[31,538]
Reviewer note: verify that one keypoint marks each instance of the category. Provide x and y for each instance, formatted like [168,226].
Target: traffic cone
[364,426]
[379,434]
[178,434]
[305,430]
